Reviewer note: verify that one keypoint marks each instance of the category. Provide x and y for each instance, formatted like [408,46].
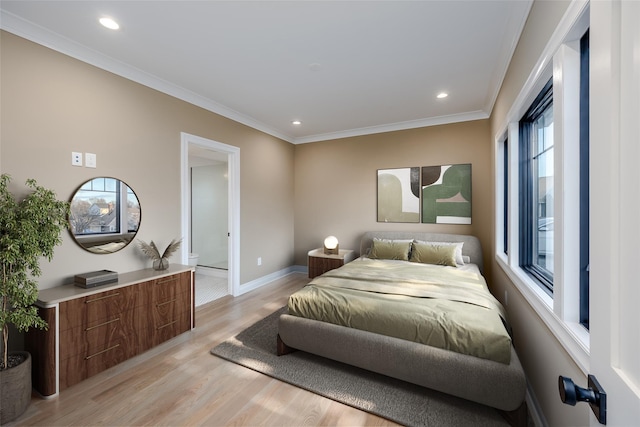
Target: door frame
[233,161]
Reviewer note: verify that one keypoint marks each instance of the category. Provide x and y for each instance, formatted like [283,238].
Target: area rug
[399,401]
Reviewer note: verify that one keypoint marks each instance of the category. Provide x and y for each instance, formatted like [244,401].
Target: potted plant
[29,230]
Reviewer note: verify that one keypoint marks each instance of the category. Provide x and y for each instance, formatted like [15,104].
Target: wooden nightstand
[320,263]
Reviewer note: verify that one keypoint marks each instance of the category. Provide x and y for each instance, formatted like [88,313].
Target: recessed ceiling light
[442,95]
[109,23]
[296,122]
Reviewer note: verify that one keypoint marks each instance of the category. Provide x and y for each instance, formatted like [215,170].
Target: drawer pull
[117,319]
[100,352]
[163,282]
[101,298]
[164,326]
[160,304]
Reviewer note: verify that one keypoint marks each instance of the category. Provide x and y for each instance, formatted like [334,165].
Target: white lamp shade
[331,245]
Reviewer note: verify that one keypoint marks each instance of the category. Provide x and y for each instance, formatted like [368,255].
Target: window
[537,189]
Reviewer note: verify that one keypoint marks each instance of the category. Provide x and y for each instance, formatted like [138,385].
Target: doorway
[210,215]
[209,209]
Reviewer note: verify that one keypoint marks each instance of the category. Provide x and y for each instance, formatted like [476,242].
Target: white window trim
[560,58]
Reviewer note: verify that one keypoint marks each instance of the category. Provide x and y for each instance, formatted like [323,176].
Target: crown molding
[392,127]
[501,69]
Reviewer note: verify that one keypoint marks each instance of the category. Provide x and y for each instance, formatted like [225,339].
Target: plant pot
[15,384]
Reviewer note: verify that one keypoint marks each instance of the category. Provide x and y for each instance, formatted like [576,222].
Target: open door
[615,211]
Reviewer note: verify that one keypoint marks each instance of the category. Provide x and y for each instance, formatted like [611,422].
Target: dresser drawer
[97,336]
[165,311]
[79,367]
[94,309]
[170,328]
[169,288]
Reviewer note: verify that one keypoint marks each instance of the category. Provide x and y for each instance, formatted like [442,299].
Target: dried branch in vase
[160,262]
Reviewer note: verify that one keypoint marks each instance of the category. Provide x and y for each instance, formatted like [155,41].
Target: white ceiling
[343,68]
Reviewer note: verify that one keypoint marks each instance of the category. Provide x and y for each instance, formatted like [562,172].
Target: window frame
[505,195]
[528,223]
[584,180]
[560,311]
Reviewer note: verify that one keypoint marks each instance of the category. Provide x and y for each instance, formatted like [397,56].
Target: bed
[362,309]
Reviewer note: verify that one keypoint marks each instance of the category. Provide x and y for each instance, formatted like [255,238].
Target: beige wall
[53,105]
[335,181]
[542,356]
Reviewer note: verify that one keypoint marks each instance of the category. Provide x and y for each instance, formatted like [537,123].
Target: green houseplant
[29,229]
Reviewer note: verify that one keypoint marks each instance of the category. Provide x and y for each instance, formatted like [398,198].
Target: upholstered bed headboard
[471,246]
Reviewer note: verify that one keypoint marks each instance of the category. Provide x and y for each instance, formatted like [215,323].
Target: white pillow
[458,245]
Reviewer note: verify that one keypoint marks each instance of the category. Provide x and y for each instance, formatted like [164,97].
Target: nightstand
[320,263]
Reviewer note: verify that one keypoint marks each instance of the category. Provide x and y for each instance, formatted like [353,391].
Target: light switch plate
[90,160]
[76,158]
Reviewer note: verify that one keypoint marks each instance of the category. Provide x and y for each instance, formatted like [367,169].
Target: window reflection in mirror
[105,215]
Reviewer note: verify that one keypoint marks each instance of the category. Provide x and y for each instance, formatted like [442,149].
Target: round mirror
[105,215]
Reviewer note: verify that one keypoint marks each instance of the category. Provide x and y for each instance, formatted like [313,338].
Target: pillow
[390,249]
[429,253]
[457,245]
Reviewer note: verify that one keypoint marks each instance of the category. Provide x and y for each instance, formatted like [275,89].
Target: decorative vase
[15,384]
[161,264]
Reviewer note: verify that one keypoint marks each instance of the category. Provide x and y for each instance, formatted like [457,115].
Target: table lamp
[331,246]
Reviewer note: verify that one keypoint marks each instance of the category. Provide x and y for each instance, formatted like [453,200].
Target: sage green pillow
[430,253]
[458,245]
[390,249]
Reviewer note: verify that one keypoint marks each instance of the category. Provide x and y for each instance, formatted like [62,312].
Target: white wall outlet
[259,260]
[90,160]
[76,158]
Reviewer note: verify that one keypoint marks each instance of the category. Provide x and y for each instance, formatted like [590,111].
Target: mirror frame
[114,205]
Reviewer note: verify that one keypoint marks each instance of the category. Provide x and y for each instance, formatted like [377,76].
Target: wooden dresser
[93,329]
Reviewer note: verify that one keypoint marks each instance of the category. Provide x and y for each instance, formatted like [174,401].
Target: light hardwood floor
[181,383]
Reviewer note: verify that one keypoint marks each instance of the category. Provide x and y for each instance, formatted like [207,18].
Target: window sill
[573,337]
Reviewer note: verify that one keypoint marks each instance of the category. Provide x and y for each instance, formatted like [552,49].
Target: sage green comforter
[445,307]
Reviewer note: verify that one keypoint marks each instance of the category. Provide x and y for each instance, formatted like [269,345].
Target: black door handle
[594,395]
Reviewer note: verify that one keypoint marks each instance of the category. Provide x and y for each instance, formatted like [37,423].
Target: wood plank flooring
[180,383]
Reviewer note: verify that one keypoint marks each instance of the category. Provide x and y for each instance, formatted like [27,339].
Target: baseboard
[264,280]
[535,412]
[300,269]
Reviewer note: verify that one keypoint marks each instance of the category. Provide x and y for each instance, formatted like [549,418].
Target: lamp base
[331,251]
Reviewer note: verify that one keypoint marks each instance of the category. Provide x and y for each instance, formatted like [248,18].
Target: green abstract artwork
[446,194]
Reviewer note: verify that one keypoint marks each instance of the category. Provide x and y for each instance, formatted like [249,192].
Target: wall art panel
[446,194]
[399,195]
